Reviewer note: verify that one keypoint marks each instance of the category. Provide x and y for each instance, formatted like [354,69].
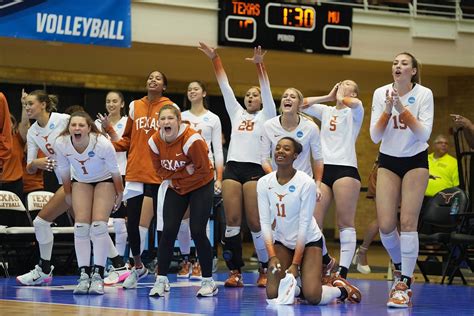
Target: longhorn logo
[280,196]
[448,196]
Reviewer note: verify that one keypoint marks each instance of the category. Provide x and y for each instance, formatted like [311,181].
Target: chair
[437,243]
[16,232]
[462,250]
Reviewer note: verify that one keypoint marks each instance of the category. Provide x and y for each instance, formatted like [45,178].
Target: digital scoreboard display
[323,28]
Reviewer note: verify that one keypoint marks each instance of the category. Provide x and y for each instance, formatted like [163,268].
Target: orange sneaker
[400,296]
[185,270]
[353,293]
[262,277]
[196,273]
[234,279]
[330,267]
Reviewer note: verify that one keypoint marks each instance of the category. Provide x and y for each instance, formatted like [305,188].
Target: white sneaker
[161,286]
[117,275]
[35,277]
[83,285]
[96,285]
[135,275]
[208,288]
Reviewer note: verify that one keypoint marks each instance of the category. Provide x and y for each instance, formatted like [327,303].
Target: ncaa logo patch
[119,125]
[411,100]
[299,134]
[292,188]
[52,126]
[206,119]
[91,154]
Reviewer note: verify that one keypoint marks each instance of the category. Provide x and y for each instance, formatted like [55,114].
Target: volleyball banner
[104,22]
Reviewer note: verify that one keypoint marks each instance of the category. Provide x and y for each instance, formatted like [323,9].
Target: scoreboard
[322,28]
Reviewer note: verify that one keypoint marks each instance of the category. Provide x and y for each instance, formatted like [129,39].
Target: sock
[117,262]
[409,246]
[259,244]
[391,242]
[342,272]
[121,235]
[398,266]
[82,244]
[45,266]
[329,293]
[348,242]
[101,242]
[344,293]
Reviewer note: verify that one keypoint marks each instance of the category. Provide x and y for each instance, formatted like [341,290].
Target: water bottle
[455,206]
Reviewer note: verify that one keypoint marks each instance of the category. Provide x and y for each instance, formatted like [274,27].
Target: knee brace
[99,228]
[232,253]
[43,230]
[82,230]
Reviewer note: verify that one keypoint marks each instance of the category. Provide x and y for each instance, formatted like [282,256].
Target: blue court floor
[429,299]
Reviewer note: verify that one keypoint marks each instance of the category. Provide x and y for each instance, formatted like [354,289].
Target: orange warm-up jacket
[170,160]
[140,127]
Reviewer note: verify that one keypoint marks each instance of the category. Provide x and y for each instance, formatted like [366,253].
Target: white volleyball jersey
[97,163]
[398,139]
[246,128]
[119,128]
[291,205]
[44,138]
[306,133]
[339,131]
[210,128]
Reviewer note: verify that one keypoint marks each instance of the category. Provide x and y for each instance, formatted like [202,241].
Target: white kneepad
[82,230]
[43,230]
[99,228]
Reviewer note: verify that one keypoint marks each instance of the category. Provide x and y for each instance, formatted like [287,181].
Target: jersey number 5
[332,124]
[246,126]
[281,210]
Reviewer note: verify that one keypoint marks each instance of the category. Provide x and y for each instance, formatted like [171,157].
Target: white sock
[328,294]
[82,244]
[121,235]
[348,241]
[259,244]
[409,245]
[99,230]
[391,242]
[184,237]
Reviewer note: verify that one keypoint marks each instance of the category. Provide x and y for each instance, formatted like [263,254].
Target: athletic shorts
[401,165]
[94,183]
[332,173]
[243,171]
[150,189]
[318,243]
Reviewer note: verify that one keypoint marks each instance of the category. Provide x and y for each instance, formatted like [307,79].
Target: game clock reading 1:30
[324,28]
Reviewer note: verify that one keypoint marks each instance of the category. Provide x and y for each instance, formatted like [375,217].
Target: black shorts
[94,183]
[401,165]
[122,211]
[150,189]
[318,243]
[243,171]
[332,173]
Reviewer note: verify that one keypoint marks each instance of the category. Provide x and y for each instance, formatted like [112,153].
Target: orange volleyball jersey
[170,160]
